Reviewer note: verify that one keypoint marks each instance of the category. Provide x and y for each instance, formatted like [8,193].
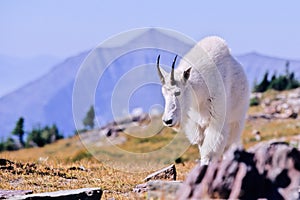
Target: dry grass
[279,129]
[58,166]
[53,167]
[271,129]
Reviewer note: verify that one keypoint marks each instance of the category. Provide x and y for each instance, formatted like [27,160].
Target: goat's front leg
[213,144]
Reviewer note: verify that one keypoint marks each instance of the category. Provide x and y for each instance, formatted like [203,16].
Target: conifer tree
[88,121]
[19,130]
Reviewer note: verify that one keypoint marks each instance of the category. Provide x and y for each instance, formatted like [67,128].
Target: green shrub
[11,145]
[279,83]
[2,146]
[83,154]
[43,136]
[254,101]
[263,85]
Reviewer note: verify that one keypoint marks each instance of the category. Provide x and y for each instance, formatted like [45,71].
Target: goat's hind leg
[235,134]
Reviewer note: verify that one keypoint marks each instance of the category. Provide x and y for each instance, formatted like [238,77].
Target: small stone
[256,134]
[42,159]
[163,189]
[81,168]
[140,188]
[168,173]
[4,162]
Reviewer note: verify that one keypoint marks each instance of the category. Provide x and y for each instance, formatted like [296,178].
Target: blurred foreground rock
[270,171]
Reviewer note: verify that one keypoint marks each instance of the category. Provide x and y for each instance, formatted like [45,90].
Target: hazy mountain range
[48,99]
[23,70]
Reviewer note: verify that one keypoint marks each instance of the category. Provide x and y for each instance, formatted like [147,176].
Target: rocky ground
[278,105]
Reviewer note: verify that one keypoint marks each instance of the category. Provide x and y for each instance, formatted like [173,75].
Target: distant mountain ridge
[36,100]
[256,65]
[49,99]
[23,70]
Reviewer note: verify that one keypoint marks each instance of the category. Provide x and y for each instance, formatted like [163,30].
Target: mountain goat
[206,97]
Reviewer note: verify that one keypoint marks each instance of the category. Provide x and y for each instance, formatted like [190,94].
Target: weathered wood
[5,194]
[83,193]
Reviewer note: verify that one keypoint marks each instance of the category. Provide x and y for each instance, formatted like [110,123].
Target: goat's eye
[177,93]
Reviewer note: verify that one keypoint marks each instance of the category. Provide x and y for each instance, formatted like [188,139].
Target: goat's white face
[172,112]
[172,91]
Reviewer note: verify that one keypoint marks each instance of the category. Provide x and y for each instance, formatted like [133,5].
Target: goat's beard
[176,127]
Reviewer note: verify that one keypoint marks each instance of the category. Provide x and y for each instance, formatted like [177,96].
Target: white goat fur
[200,104]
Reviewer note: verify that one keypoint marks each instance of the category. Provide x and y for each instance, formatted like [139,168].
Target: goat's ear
[186,74]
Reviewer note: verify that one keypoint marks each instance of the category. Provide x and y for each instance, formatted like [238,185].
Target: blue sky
[64,28]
